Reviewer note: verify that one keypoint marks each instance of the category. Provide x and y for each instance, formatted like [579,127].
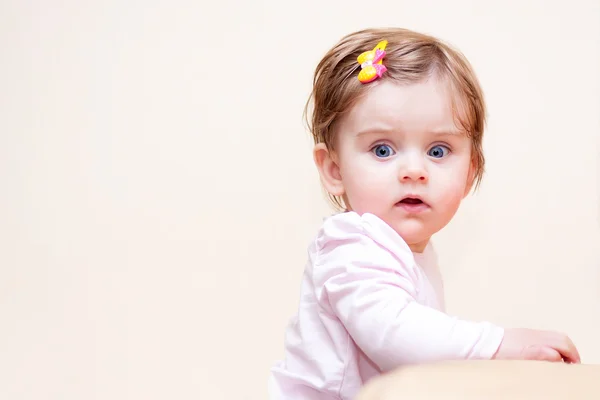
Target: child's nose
[415,175]
[414,170]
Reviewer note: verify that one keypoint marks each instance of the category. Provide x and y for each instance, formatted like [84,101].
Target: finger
[567,349]
[550,354]
[539,353]
[572,359]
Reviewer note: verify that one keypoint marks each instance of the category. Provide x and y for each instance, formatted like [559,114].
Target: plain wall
[158,191]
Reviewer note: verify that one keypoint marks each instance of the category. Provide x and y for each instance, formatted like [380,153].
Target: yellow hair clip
[371,63]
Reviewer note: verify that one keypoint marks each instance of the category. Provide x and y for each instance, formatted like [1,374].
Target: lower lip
[413,208]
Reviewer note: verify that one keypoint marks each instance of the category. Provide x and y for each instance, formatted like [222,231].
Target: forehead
[417,107]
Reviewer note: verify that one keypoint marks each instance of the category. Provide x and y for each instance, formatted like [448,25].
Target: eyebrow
[451,132]
[379,130]
[374,131]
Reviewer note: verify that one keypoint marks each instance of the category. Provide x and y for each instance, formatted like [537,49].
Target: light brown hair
[410,57]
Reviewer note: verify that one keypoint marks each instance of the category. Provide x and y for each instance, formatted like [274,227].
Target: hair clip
[371,63]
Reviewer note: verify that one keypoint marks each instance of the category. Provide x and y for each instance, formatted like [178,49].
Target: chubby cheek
[449,189]
[366,191]
[450,200]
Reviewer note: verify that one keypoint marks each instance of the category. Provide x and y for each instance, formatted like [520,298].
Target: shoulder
[360,236]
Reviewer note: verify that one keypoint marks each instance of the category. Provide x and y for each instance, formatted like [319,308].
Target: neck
[418,247]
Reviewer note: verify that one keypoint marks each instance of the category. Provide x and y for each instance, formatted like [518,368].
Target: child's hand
[530,344]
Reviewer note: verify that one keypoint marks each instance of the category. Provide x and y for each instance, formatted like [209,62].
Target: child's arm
[377,306]
[368,281]
[385,321]
[368,277]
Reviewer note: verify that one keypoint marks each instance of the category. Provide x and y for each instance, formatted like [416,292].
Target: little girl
[398,119]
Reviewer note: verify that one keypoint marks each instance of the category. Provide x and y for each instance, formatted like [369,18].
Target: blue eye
[382,151]
[438,151]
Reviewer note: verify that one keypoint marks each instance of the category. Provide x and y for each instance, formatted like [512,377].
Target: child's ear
[327,164]
[470,177]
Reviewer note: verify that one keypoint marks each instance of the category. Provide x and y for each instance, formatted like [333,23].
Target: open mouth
[411,200]
[412,205]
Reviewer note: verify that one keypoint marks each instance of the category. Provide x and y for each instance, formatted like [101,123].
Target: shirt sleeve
[366,274]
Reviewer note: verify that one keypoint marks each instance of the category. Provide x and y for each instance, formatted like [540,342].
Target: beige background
[157,190]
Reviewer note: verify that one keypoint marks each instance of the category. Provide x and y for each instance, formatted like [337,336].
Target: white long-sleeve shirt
[369,305]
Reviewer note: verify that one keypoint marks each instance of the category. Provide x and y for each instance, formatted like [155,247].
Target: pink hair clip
[371,63]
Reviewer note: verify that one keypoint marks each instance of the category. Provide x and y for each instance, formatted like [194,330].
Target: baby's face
[402,158]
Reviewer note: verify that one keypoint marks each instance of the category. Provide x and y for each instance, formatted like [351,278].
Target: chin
[412,234]
[415,240]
